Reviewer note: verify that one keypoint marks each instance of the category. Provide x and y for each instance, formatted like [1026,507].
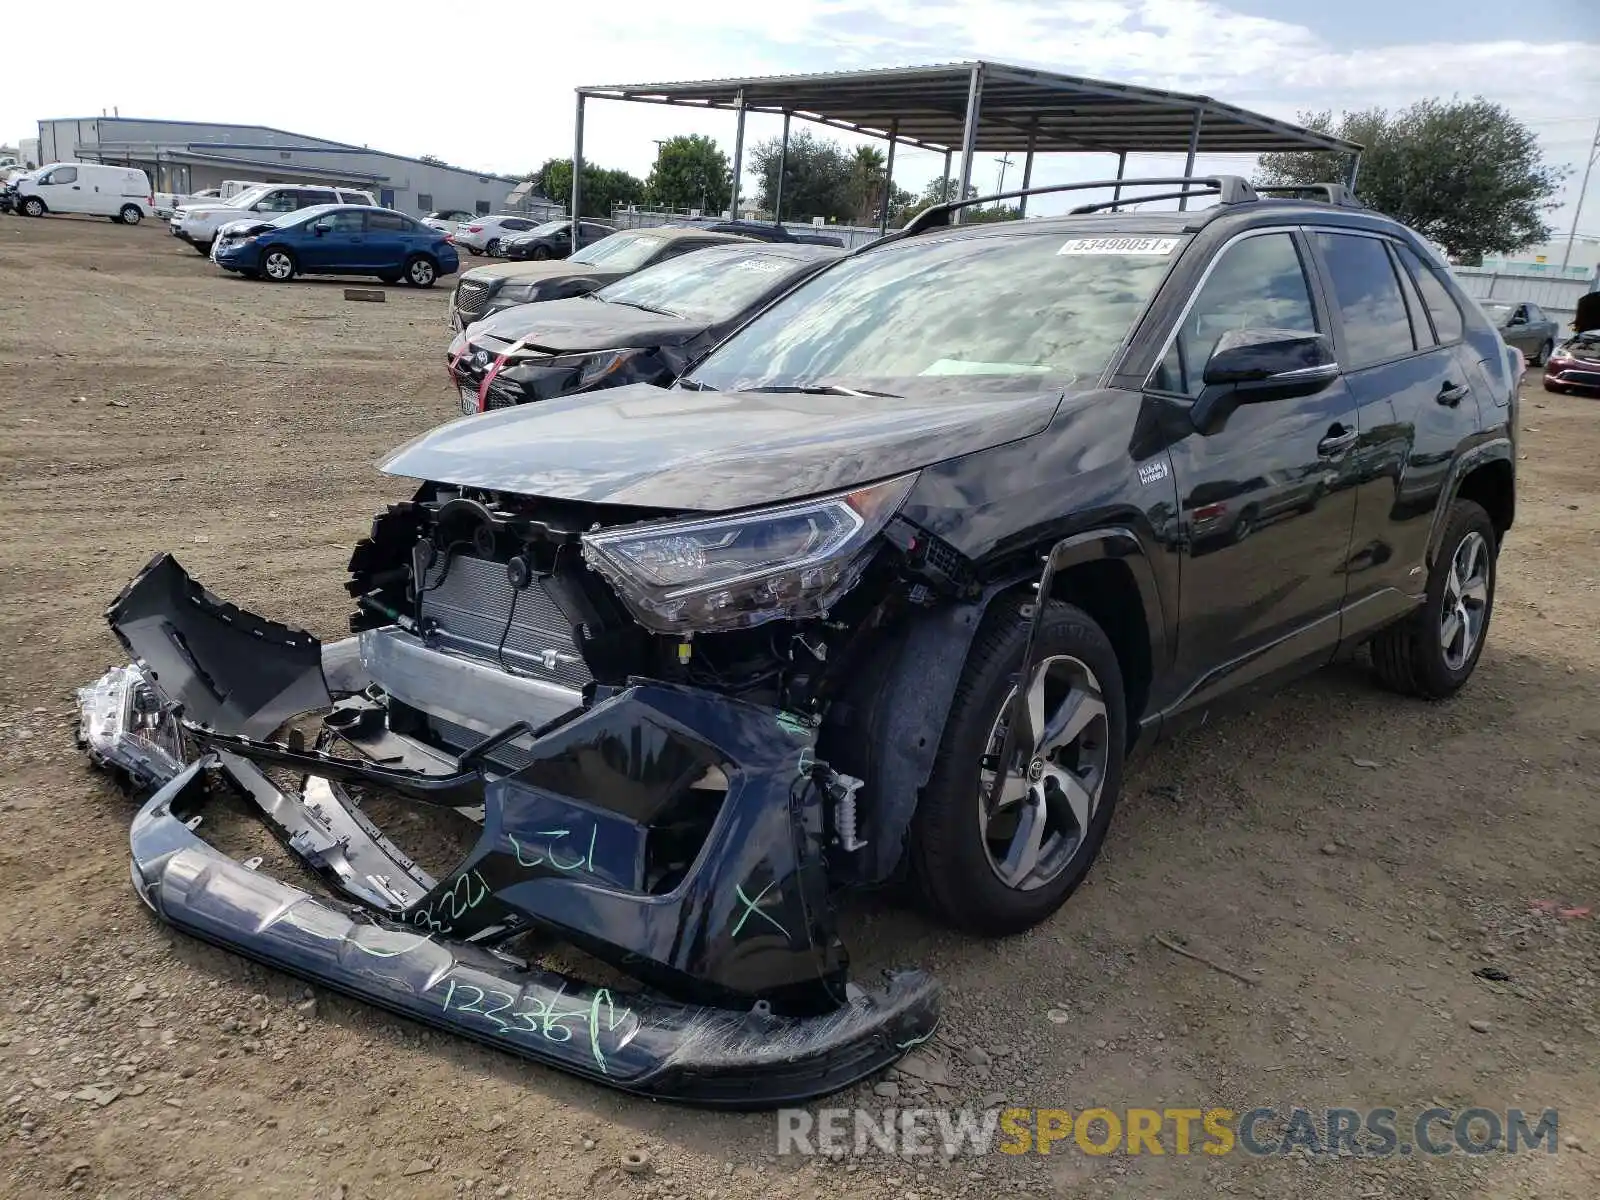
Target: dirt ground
[1354,856]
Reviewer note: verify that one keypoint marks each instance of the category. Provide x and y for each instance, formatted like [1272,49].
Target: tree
[937,191]
[867,177]
[603,190]
[434,159]
[1464,174]
[816,177]
[690,172]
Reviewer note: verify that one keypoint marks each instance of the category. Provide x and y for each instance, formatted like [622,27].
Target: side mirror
[1249,366]
[320,228]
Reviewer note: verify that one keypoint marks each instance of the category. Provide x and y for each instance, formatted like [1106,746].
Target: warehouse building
[186,156]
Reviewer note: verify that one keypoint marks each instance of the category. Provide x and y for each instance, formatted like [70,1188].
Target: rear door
[1264,518]
[1413,394]
[388,239]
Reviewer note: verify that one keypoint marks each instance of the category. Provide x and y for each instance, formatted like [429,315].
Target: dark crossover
[921,542]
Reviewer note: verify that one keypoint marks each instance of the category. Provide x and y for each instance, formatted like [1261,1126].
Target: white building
[186,156]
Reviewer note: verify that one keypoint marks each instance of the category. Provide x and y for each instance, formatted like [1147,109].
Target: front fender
[888,727]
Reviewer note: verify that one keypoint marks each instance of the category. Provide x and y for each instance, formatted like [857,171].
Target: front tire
[1003,871]
[131,214]
[1432,652]
[421,271]
[203,249]
[277,265]
[539,253]
[33,207]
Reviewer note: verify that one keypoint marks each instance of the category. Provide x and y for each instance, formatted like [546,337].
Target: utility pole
[1005,161]
[1577,211]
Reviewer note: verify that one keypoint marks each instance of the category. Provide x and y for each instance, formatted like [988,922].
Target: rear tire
[131,214]
[203,250]
[421,271]
[493,248]
[277,265]
[1420,655]
[33,207]
[954,840]
[1543,356]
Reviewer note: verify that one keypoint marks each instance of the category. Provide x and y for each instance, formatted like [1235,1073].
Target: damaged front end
[679,834]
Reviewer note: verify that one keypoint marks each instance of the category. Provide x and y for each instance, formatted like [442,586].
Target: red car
[1575,365]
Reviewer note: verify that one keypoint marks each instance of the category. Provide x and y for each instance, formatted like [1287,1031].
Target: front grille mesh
[471,297]
[469,600]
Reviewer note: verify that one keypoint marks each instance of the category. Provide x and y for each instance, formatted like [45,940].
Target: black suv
[889,583]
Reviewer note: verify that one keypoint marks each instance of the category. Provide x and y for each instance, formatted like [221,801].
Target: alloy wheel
[1466,601]
[1052,787]
[278,266]
[421,273]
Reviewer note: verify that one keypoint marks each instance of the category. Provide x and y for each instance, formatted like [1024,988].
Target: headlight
[594,365]
[729,572]
[515,293]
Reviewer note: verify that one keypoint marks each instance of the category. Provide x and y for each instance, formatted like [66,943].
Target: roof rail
[1230,189]
[1325,193]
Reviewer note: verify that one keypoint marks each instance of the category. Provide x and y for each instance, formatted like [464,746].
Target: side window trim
[1413,301]
[1423,265]
[1319,309]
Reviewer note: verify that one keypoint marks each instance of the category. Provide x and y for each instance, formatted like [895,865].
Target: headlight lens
[717,573]
[594,365]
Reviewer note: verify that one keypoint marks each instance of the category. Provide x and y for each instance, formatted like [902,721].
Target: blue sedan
[336,239]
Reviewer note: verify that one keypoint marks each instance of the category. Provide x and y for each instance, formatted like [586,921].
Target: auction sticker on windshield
[1120,245]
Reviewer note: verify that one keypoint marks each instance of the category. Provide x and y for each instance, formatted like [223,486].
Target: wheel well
[1108,592]
[1490,486]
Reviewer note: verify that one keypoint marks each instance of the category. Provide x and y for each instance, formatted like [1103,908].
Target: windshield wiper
[694,385]
[821,389]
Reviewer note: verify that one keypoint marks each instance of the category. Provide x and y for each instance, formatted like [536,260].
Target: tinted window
[1258,283]
[1441,306]
[1421,330]
[320,196]
[1376,327]
[1013,311]
[388,221]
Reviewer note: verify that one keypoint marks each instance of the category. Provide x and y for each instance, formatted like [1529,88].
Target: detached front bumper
[742,998]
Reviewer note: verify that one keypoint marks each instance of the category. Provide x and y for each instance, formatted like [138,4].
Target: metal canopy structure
[970,108]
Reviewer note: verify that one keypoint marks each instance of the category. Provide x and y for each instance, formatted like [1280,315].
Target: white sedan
[483,235]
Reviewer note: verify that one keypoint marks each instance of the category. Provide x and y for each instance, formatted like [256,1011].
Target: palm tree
[866,183]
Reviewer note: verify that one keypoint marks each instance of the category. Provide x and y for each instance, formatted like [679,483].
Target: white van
[121,193]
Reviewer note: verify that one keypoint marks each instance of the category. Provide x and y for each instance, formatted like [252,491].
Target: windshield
[1015,311]
[619,252]
[546,230]
[248,197]
[301,216]
[707,285]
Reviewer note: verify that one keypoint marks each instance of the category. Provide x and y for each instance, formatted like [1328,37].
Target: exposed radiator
[469,600]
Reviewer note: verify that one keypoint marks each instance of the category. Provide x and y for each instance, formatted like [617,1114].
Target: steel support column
[888,177]
[738,158]
[1122,171]
[947,195]
[969,134]
[1188,163]
[1027,175]
[783,162]
[1353,171]
[577,169]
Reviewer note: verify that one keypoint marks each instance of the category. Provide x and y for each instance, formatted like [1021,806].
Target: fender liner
[889,730]
[1497,449]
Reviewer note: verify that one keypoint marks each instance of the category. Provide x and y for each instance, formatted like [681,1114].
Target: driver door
[1265,518]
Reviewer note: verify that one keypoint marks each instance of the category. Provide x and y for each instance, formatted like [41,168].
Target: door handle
[1339,440]
[1451,394]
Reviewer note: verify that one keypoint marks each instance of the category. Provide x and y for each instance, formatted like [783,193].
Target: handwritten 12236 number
[543,1018]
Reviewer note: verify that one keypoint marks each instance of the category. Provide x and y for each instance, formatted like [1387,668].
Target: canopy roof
[1018,109]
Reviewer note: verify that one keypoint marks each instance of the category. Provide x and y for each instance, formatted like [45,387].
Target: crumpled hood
[566,326]
[712,451]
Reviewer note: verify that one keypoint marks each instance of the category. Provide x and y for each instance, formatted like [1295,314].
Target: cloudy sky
[477,86]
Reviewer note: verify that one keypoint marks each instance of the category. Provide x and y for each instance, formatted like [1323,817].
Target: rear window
[1015,311]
